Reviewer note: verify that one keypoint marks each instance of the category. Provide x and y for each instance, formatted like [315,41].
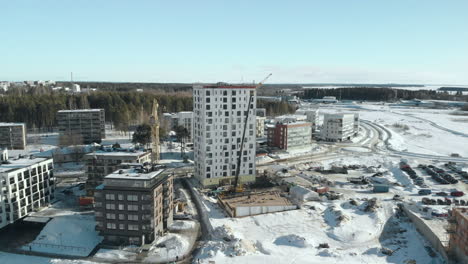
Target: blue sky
[401,41]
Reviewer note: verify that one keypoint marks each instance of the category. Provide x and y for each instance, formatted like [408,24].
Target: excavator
[237,187]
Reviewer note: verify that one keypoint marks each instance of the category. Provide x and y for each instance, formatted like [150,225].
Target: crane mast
[239,156]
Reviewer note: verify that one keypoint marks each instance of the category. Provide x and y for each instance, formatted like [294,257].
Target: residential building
[85,125]
[338,127]
[289,135]
[356,124]
[103,162]
[458,230]
[26,184]
[134,205]
[260,126]
[220,113]
[184,119]
[312,116]
[290,118]
[12,135]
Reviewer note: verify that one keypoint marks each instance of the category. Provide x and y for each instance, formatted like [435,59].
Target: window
[110,196]
[132,197]
[132,207]
[120,197]
[121,207]
[110,206]
[111,226]
[133,217]
[110,216]
[207,93]
[121,217]
[122,226]
[133,227]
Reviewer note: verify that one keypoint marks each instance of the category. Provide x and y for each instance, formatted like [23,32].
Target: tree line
[381,94]
[123,109]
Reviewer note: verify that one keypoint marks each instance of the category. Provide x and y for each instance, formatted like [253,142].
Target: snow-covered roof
[134,174]
[80,110]
[11,124]
[14,164]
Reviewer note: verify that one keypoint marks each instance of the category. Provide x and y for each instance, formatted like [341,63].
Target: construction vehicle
[238,188]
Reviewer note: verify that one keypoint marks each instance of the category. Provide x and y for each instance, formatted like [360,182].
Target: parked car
[441,194]
[424,192]
[457,193]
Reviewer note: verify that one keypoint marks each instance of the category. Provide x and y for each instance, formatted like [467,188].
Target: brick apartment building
[286,135]
[458,243]
[134,205]
[104,162]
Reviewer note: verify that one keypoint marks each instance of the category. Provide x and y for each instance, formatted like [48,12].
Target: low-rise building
[103,162]
[337,127]
[26,184]
[134,205]
[356,124]
[290,135]
[12,135]
[83,126]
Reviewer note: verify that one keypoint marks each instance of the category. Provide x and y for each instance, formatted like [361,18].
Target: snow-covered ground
[415,129]
[8,258]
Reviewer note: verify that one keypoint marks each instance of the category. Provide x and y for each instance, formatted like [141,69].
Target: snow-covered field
[8,258]
[415,129]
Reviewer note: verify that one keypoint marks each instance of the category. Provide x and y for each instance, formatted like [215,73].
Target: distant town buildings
[183,119]
[26,184]
[338,127]
[326,100]
[4,86]
[76,88]
[81,126]
[134,205]
[289,135]
[219,118]
[12,135]
[103,162]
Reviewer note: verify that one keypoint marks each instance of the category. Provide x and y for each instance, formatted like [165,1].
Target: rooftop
[14,164]
[80,110]
[134,173]
[227,86]
[118,152]
[11,124]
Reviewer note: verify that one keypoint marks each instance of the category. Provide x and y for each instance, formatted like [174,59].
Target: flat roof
[134,174]
[15,164]
[80,110]
[257,199]
[118,153]
[226,86]
[11,124]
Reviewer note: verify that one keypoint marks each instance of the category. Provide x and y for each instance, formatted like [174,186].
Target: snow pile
[116,254]
[226,244]
[179,225]
[171,247]
[72,235]
[292,241]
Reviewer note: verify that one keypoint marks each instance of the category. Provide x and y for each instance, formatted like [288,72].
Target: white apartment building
[12,135]
[312,116]
[260,126]
[219,116]
[26,183]
[184,119]
[338,127]
[356,124]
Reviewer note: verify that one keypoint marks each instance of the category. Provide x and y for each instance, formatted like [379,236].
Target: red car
[457,193]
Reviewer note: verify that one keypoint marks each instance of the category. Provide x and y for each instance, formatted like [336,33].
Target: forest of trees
[381,94]
[122,108]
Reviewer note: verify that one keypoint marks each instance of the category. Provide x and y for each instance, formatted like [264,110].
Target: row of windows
[130,217]
[122,227]
[120,197]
